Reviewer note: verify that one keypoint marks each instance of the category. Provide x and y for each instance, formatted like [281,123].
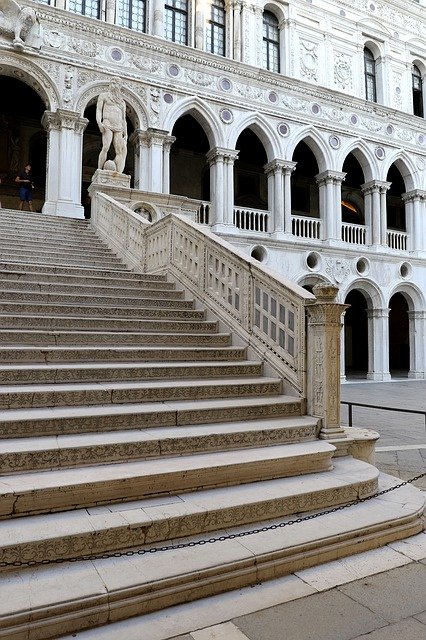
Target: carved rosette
[343,71]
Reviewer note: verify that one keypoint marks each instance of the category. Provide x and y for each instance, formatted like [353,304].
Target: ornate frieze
[309,60]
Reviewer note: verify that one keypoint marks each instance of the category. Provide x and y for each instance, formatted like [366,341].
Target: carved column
[384,186]
[155,147]
[378,345]
[323,366]
[415,206]
[110,11]
[279,174]
[417,334]
[222,187]
[158,21]
[167,145]
[200,21]
[375,210]
[236,32]
[64,151]
[330,184]
[140,145]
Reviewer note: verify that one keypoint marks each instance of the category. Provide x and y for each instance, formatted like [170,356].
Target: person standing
[26,186]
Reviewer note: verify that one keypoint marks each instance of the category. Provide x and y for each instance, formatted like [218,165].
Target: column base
[332,433]
[64,209]
[111,178]
[416,375]
[221,227]
[282,235]
[379,376]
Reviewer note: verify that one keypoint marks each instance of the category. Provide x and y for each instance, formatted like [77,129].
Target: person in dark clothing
[26,186]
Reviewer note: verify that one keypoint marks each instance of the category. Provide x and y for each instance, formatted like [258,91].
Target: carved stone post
[323,366]
[222,187]
[417,332]
[330,184]
[236,32]
[415,203]
[378,344]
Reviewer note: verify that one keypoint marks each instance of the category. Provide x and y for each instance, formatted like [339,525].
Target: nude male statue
[111,119]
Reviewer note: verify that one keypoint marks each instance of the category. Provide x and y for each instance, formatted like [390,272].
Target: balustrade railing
[305,227]
[397,240]
[251,219]
[203,213]
[295,332]
[353,233]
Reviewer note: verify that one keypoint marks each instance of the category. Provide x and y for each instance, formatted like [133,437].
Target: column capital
[277,165]
[378,313]
[333,177]
[220,153]
[415,194]
[157,136]
[417,315]
[378,186]
[63,119]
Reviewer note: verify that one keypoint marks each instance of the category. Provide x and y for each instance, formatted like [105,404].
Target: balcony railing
[397,240]
[353,233]
[251,219]
[203,213]
[304,227]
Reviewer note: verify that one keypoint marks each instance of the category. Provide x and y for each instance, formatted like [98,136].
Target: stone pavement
[375,595]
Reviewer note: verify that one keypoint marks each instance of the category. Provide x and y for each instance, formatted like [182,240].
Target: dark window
[271,42]
[370,76]
[91,8]
[131,14]
[176,27]
[417,91]
[215,31]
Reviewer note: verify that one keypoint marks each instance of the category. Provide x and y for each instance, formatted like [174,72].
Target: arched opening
[352,196]
[189,169]
[250,183]
[356,335]
[399,343]
[395,205]
[92,145]
[22,140]
[304,188]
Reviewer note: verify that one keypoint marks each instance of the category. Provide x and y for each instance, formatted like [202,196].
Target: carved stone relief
[343,71]
[309,60]
[337,269]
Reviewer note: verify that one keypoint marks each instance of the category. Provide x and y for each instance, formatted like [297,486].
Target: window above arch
[417,88]
[370,75]
[91,8]
[271,42]
[176,21]
[131,14]
[215,28]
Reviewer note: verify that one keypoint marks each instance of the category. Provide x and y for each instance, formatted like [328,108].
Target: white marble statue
[20,23]
[111,119]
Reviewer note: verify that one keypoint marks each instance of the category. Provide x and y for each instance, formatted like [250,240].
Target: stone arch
[264,131]
[371,291]
[276,9]
[136,111]
[202,113]
[363,154]
[375,48]
[317,145]
[309,280]
[34,76]
[406,167]
[413,295]
[420,64]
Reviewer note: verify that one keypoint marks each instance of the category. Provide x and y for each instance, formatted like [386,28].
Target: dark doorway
[250,182]
[189,169]
[304,189]
[399,345]
[356,335]
[352,196]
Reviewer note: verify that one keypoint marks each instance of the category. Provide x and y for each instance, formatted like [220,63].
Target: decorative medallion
[390,130]
[173,70]
[354,119]
[225,84]
[272,97]
[168,98]
[116,54]
[316,109]
[379,152]
[226,116]
[283,129]
[334,142]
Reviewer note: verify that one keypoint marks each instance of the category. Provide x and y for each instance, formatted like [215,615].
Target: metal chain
[198,543]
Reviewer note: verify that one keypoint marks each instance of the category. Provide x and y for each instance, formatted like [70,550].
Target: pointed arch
[136,111]
[202,113]
[35,77]
[406,167]
[317,145]
[363,154]
[263,130]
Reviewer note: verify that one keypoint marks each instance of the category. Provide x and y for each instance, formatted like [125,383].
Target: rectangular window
[215,30]
[131,14]
[89,8]
[176,22]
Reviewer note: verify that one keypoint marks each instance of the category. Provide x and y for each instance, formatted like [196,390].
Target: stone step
[30,355]
[64,451]
[110,338]
[75,394]
[12,234]
[79,271]
[28,219]
[18,423]
[143,290]
[59,258]
[97,530]
[119,371]
[176,310]
[55,246]
[58,490]
[148,297]
[45,602]
[62,323]
[130,282]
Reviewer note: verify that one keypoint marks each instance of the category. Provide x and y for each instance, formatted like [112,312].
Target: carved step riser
[112,339]
[122,452]
[70,249]
[150,419]
[124,537]
[116,292]
[55,270]
[142,312]
[9,279]
[137,488]
[58,259]
[56,398]
[54,298]
[112,374]
[100,324]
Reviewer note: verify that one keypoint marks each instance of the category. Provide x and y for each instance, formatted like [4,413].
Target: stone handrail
[306,227]
[251,219]
[264,309]
[353,233]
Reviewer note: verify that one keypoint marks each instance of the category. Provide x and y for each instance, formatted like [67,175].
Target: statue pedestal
[111,179]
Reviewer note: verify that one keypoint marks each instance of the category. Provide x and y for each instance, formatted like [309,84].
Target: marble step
[110,338]
[12,234]
[56,246]
[62,323]
[97,530]
[79,271]
[143,290]
[47,602]
[118,392]
[122,281]
[181,310]
[30,220]
[59,260]
[18,423]
[58,490]
[147,297]
[64,451]
[119,371]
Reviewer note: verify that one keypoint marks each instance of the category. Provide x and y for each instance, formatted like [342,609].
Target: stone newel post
[324,327]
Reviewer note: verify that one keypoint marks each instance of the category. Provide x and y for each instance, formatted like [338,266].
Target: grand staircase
[131,421]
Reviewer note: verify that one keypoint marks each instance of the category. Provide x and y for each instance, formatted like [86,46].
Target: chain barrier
[197,543]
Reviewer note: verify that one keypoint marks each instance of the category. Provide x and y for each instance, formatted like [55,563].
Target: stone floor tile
[413,547]
[323,616]
[421,617]
[226,631]
[387,595]
[409,629]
